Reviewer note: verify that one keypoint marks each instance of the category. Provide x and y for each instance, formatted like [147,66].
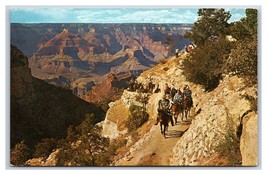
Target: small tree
[210,23]
[205,65]
[83,146]
[136,120]
[244,57]
[142,98]
[170,42]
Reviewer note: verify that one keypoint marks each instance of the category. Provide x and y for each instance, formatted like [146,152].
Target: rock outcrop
[48,162]
[249,140]
[114,123]
[110,89]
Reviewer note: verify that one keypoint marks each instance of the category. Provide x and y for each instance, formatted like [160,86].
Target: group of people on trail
[148,87]
[173,96]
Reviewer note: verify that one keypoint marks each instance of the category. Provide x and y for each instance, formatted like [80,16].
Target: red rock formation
[103,91]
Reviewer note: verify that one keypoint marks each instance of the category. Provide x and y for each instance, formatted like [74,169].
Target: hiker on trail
[164,105]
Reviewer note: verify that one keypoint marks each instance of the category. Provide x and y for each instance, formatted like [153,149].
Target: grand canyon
[95,94]
[78,56]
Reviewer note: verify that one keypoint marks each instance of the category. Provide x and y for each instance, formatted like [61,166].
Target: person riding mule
[164,105]
[164,119]
[177,105]
[178,97]
[167,89]
[188,101]
[188,95]
[173,92]
[131,84]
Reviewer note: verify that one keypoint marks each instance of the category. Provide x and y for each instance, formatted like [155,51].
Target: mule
[164,119]
[187,106]
[177,109]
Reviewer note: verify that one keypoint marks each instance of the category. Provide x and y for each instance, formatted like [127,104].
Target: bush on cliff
[204,66]
[136,119]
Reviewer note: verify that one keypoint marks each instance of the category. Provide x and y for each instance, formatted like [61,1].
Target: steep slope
[40,110]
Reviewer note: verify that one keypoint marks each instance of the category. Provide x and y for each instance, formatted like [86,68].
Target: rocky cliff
[110,89]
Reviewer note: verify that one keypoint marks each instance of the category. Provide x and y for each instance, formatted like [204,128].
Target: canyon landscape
[135,94]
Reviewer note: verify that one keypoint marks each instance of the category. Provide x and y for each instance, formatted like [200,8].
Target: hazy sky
[111,15]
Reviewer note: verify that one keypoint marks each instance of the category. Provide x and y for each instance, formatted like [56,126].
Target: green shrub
[244,60]
[133,108]
[136,120]
[105,158]
[204,67]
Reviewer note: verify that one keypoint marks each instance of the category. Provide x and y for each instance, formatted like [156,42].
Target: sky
[111,15]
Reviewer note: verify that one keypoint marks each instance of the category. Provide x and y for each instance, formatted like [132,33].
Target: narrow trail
[154,149]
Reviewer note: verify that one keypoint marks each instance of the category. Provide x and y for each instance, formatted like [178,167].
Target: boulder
[249,140]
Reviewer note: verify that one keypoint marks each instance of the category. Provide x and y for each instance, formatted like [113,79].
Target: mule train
[174,104]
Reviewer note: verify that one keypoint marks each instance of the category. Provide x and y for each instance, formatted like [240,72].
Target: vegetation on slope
[215,55]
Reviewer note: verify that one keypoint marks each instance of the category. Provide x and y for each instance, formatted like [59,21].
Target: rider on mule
[188,94]
[178,97]
[164,105]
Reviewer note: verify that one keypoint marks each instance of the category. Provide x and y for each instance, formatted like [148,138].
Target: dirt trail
[153,149]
